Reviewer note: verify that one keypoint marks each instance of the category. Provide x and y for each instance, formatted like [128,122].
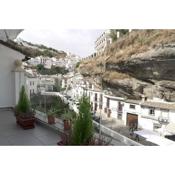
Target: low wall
[116,135]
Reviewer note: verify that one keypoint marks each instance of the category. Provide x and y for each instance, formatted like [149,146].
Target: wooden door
[132,120]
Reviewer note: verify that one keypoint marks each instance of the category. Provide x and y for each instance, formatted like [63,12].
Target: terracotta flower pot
[67,124]
[26,122]
[51,119]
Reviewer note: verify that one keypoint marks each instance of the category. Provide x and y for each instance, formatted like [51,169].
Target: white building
[113,106]
[11,74]
[31,84]
[103,41]
[35,61]
[45,84]
[154,115]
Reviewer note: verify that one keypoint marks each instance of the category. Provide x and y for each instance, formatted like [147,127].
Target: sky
[76,41]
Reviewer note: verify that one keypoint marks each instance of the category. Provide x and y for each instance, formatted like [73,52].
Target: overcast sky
[79,42]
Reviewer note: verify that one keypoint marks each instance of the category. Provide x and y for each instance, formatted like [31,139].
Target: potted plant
[67,117]
[50,116]
[25,116]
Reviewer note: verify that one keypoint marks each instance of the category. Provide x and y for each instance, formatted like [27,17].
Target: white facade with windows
[103,41]
[154,115]
[31,85]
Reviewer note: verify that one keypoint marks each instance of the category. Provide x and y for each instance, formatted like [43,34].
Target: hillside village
[129,81]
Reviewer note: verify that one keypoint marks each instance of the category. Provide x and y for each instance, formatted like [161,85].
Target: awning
[154,138]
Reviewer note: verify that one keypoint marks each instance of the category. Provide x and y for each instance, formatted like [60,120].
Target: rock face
[157,64]
[151,73]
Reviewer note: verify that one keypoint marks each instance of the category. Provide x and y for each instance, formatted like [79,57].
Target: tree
[23,102]
[40,67]
[83,125]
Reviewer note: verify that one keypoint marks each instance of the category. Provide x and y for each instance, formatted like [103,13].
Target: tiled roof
[133,101]
[160,105]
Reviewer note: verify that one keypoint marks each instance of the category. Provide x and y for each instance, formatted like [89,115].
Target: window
[132,106]
[101,101]
[152,111]
[95,96]
[120,106]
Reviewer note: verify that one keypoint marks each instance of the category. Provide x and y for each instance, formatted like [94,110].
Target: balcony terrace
[12,134]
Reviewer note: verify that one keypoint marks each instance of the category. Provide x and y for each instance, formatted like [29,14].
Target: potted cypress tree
[25,116]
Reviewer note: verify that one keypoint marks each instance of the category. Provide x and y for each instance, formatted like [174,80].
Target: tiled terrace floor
[12,134]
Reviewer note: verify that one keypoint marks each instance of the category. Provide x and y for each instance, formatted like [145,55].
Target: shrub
[83,126]
[23,102]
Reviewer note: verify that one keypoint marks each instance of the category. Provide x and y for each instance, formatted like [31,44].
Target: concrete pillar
[19,82]
[20,79]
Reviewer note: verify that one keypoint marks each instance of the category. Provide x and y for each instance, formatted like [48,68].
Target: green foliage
[23,103]
[53,104]
[54,70]
[40,67]
[69,115]
[51,111]
[83,126]
[78,64]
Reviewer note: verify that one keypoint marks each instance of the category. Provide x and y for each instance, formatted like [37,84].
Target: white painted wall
[145,123]
[7,76]
[172,116]
[114,108]
[127,109]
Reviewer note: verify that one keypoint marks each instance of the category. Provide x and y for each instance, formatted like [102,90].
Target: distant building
[31,84]
[103,41]
[46,84]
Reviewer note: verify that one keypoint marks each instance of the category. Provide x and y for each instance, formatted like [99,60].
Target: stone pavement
[12,134]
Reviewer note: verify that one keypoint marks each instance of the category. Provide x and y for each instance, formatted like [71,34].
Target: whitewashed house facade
[31,84]
[155,115]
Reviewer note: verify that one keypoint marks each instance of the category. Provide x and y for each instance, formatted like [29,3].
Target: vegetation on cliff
[136,63]
[34,50]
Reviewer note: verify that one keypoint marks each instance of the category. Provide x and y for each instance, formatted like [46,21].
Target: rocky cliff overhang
[156,64]
[151,73]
